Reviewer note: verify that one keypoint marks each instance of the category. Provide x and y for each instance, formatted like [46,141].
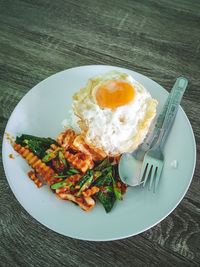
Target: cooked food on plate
[113,112]
[110,116]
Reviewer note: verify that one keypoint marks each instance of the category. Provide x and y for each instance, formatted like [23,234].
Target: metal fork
[154,159]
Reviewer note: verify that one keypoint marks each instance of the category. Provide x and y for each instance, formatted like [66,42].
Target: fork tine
[152,176]
[158,174]
[144,167]
[149,167]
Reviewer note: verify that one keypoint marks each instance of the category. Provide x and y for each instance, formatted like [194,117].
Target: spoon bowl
[128,163]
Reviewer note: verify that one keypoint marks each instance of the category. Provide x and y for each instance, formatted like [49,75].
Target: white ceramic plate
[40,113]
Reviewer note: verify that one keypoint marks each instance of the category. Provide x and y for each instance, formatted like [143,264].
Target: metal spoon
[131,163]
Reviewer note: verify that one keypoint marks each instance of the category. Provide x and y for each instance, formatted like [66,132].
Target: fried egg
[114,112]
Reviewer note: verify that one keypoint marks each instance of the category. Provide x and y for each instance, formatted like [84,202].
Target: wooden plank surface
[160,39]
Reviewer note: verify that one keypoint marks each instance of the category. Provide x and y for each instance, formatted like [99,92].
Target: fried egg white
[115,112]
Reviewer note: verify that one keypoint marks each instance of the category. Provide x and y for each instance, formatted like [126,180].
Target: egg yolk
[114,93]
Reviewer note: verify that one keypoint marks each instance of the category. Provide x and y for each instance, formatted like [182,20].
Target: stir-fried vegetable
[104,175]
[115,175]
[67,173]
[85,181]
[107,183]
[62,158]
[72,171]
[107,199]
[51,155]
[116,190]
[61,184]
[106,194]
[103,165]
[38,145]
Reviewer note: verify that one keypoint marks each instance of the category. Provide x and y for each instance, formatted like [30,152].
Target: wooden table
[159,39]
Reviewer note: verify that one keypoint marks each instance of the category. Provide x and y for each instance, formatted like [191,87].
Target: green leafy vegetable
[107,200]
[85,181]
[62,158]
[38,145]
[85,177]
[106,194]
[66,173]
[51,155]
[59,176]
[115,175]
[117,190]
[104,164]
[103,180]
[107,183]
[61,184]
[71,171]
[108,188]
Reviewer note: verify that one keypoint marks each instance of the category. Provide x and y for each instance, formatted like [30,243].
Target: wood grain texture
[160,39]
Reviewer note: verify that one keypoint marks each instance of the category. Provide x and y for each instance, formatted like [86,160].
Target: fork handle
[175,99]
[152,139]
